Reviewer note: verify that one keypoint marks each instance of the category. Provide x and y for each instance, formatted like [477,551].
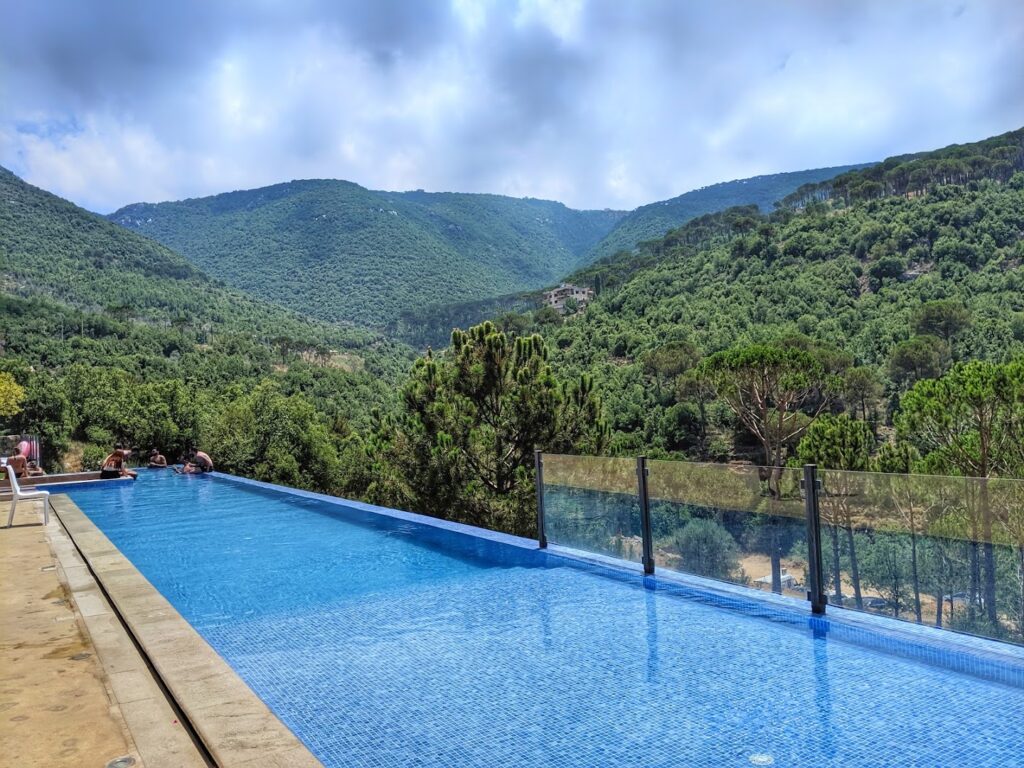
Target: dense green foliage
[462,444]
[774,391]
[651,222]
[707,549]
[812,275]
[51,248]
[971,422]
[114,338]
[432,326]
[339,252]
[623,250]
[11,395]
[996,158]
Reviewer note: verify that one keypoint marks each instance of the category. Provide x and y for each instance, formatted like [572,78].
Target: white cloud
[594,102]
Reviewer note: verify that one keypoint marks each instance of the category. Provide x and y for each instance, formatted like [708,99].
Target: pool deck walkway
[228,722]
[74,691]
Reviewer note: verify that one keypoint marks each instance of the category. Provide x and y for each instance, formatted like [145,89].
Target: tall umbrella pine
[776,393]
[969,423]
[475,414]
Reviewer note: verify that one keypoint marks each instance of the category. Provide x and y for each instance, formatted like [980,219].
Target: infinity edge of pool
[960,652]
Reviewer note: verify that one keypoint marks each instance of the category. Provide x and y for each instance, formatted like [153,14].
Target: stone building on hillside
[557,297]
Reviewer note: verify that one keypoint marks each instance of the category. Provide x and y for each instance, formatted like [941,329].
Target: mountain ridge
[652,221]
[363,254]
[344,253]
[54,250]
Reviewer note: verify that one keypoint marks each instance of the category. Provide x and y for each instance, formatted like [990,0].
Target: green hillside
[650,222]
[430,324]
[114,337]
[339,252]
[51,248]
[998,158]
[899,288]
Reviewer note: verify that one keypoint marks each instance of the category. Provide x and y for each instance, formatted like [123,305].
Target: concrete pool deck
[233,725]
[57,706]
[95,665]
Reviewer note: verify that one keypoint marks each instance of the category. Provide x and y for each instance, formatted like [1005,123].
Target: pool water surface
[384,642]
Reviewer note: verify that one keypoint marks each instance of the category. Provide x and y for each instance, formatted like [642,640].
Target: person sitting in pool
[20,464]
[157,460]
[115,465]
[198,464]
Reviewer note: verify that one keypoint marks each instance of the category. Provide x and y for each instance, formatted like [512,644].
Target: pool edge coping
[397,514]
[233,723]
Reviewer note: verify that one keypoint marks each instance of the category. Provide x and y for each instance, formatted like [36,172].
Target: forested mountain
[652,221]
[898,288]
[111,336]
[430,324]
[995,158]
[51,248]
[339,252]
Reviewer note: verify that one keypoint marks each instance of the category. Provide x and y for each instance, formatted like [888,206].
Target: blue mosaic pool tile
[384,640]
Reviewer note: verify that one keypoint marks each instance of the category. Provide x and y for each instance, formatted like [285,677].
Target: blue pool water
[381,642]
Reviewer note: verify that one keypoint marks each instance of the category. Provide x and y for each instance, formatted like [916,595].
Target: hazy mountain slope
[344,253]
[652,221]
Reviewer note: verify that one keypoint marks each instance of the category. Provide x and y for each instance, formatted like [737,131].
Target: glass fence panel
[592,503]
[738,523]
[946,551]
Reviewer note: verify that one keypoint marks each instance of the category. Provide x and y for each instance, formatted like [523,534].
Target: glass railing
[940,551]
[591,503]
[945,551]
[738,523]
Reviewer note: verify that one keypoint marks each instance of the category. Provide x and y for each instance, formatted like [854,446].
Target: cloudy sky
[597,103]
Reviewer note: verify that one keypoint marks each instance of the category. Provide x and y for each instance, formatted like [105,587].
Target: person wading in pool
[157,460]
[115,466]
[198,463]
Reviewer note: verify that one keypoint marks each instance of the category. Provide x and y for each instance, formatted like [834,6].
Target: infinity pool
[384,642]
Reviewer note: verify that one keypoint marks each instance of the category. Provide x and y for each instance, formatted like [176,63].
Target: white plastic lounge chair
[18,495]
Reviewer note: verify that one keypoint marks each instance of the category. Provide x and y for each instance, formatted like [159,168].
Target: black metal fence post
[538,463]
[645,514]
[815,576]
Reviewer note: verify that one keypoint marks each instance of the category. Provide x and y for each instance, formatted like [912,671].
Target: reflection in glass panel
[591,503]
[946,551]
[738,523]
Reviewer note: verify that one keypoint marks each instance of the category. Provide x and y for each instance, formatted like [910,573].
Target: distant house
[787,579]
[557,297]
